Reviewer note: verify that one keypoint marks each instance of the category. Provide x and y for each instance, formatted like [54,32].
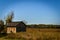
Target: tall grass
[36,34]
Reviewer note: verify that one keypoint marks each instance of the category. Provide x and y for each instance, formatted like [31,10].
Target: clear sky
[32,11]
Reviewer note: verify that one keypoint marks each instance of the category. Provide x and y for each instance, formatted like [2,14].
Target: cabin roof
[14,24]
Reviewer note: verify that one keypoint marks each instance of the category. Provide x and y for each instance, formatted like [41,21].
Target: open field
[36,34]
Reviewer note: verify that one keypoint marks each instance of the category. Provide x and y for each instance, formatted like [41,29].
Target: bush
[2,34]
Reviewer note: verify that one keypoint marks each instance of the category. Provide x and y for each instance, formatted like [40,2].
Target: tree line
[43,26]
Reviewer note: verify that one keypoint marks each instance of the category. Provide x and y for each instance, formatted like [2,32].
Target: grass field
[37,34]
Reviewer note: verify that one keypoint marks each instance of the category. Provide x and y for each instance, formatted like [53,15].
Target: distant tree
[35,26]
[9,17]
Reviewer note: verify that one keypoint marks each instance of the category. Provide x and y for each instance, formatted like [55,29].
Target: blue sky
[32,11]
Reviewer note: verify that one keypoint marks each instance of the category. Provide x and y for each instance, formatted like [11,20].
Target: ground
[37,34]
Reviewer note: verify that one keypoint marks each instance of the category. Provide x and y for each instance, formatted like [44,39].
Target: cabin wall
[21,27]
[11,29]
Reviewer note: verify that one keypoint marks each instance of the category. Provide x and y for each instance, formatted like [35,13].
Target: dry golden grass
[41,34]
[38,34]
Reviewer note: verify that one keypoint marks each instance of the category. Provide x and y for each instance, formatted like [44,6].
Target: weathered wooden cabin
[13,27]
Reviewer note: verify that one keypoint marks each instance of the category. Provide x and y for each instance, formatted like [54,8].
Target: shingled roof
[13,24]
